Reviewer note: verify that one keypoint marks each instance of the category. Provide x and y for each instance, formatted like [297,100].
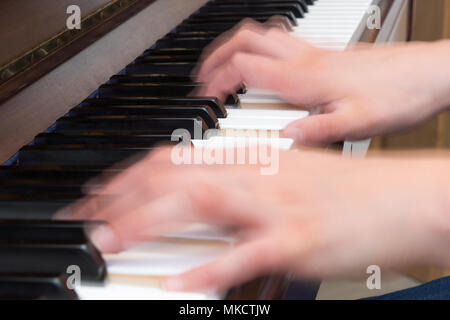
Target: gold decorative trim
[63,38]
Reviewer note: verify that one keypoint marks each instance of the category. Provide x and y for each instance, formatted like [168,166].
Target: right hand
[354,94]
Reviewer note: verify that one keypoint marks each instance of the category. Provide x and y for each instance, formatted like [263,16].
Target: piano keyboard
[126,117]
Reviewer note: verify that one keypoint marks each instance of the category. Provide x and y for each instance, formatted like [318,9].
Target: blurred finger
[246,41]
[240,264]
[155,162]
[203,202]
[256,71]
[141,224]
[318,130]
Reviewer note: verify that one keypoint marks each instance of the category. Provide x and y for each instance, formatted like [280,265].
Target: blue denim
[435,290]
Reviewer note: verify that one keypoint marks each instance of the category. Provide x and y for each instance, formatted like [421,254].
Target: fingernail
[63,214]
[91,188]
[294,133]
[105,239]
[173,284]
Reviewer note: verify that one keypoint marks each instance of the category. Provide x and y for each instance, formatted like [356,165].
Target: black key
[208,104]
[197,34]
[213,26]
[301,3]
[148,89]
[167,59]
[69,186]
[152,90]
[14,286]
[35,185]
[48,247]
[158,78]
[203,112]
[35,206]
[255,8]
[30,187]
[80,154]
[37,197]
[44,230]
[284,21]
[211,102]
[236,17]
[234,20]
[14,206]
[182,43]
[185,68]
[131,124]
[151,77]
[101,138]
[173,52]
[43,172]
[30,177]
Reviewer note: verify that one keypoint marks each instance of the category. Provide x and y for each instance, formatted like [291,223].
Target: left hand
[321,215]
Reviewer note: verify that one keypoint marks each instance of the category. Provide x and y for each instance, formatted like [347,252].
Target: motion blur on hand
[322,215]
[358,93]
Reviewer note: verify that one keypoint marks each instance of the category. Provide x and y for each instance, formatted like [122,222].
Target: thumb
[240,264]
[317,130]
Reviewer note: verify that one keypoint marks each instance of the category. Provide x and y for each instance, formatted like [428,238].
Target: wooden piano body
[47,70]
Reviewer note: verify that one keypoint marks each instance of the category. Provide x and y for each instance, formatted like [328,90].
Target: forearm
[436,74]
[440,225]
[427,215]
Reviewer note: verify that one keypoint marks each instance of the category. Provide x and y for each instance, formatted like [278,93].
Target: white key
[329,24]
[137,273]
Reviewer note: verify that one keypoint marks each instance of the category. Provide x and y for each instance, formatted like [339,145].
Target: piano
[80,101]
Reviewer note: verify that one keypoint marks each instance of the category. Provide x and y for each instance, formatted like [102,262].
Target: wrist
[440,78]
[440,225]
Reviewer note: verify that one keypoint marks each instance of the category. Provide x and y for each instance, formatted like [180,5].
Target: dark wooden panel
[56,51]
[35,108]
[24,24]
[428,20]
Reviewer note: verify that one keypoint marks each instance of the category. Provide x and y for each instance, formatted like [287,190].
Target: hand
[321,216]
[358,93]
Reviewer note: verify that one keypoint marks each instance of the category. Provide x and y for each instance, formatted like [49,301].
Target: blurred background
[431,21]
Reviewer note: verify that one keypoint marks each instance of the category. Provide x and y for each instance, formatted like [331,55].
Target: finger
[247,41]
[80,210]
[117,171]
[155,162]
[118,205]
[142,224]
[240,264]
[143,182]
[123,196]
[256,71]
[145,190]
[318,130]
[151,178]
[283,22]
[206,203]
[245,24]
